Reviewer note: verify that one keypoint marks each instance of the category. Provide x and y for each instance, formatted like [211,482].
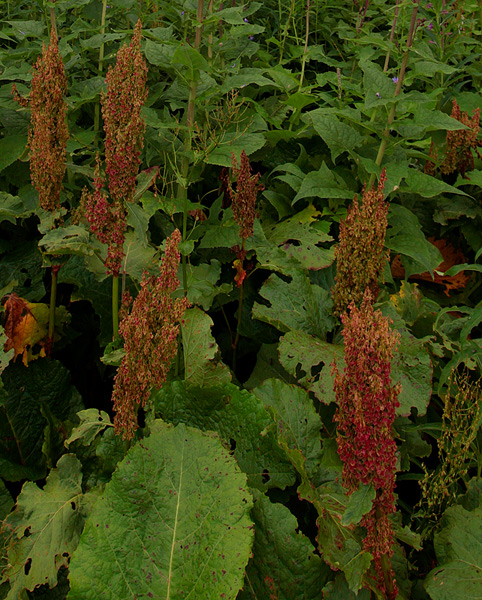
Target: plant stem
[99,67]
[115,306]
[285,32]
[53,21]
[401,75]
[190,113]
[240,312]
[305,52]
[53,299]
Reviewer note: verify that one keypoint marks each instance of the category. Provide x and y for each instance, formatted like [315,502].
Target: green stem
[305,52]
[53,300]
[401,75]
[99,67]
[182,185]
[115,306]
[285,32]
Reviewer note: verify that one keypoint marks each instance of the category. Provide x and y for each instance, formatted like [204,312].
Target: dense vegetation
[241,346]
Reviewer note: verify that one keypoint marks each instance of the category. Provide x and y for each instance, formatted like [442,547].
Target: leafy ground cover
[241,301]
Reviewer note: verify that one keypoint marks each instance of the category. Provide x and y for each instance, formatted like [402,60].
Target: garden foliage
[241,300]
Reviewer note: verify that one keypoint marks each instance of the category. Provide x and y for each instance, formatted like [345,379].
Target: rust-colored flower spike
[360,251]
[460,143]
[121,111]
[48,133]
[366,410]
[243,199]
[107,221]
[150,340]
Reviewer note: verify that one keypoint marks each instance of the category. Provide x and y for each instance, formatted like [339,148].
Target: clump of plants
[275,409]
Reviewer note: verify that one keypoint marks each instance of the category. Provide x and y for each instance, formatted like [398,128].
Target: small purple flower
[233,65]
[245,20]
[430,26]
[429,5]
[251,38]
[395,79]
[378,95]
[182,13]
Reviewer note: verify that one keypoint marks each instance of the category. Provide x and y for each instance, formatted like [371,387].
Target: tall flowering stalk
[366,410]
[124,131]
[243,203]
[47,140]
[150,340]
[360,252]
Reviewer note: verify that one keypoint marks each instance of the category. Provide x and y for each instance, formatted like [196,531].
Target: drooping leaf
[297,305]
[300,352]
[458,547]
[92,422]
[16,207]
[239,417]
[22,265]
[173,522]
[338,589]
[359,504]
[296,416]
[202,363]
[73,239]
[427,186]
[45,528]
[11,148]
[22,426]
[201,283]
[322,184]
[405,236]
[337,135]
[284,565]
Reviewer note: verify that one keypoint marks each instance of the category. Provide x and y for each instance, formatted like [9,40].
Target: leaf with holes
[173,523]
[45,528]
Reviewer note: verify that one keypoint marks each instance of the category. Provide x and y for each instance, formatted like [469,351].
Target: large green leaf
[45,528]
[338,136]
[458,547]
[296,305]
[11,148]
[73,239]
[98,293]
[284,565]
[405,236]
[172,523]
[297,417]
[239,417]
[22,267]
[299,352]
[427,186]
[46,383]
[15,207]
[202,363]
[322,184]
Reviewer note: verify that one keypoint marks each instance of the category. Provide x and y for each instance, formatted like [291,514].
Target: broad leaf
[296,305]
[405,236]
[172,523]
[458,547]
[73,239]
[239,417]
[202,363]
[359,504]
[296,416]
[21,422]
[300,352]
[45,528]
[284,564]
[338,136]
[92,422]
